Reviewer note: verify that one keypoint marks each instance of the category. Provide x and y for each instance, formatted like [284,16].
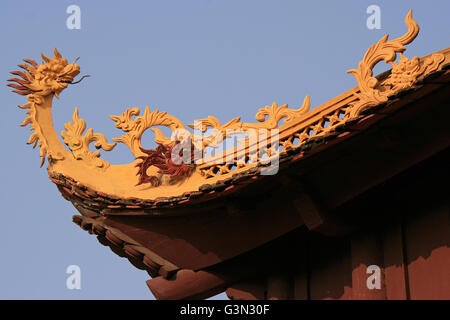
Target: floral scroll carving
[135,127]
[406,72]
[79,144]
[293,127]
[403,74]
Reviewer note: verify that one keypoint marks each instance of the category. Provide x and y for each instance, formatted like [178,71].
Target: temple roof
[196,227]
[338,128]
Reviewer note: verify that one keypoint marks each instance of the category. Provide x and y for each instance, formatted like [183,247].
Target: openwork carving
[403,74]
[79,144]
[134,128]
[294,127]
[287,141]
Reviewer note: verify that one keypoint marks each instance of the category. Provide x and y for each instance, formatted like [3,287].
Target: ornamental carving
[39,83]
[156,168]
[403,74]
[135,128]
[79,144]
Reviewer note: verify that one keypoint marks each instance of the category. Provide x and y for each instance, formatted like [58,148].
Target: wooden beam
[273,257]
[315,216]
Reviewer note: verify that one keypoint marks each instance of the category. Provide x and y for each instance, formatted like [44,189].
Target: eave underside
[328,190]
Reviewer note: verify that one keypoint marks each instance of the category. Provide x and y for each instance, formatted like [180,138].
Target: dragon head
[51,76]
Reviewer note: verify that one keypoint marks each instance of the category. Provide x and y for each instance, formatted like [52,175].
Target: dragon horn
[57,54]
[45,58]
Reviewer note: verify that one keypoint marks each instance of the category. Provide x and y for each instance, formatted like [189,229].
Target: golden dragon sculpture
[154,173]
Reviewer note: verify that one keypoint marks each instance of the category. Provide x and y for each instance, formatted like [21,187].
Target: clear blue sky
[189,58]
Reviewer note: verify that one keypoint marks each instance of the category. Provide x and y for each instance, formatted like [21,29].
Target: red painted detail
[161,157]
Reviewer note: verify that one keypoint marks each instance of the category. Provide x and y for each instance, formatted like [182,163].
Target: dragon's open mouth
[69,80]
